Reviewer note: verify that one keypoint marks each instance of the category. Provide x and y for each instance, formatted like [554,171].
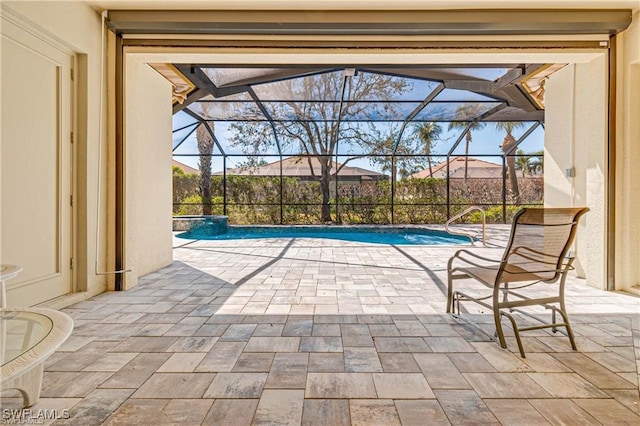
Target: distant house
[298,166]
[188,170]
[476,169]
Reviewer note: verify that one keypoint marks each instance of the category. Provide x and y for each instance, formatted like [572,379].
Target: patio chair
[536,254]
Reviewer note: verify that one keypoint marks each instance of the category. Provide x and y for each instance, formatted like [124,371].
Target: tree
[507,146]
[523,162]
[315,128]
[428,134]
[205,149]
[476,125]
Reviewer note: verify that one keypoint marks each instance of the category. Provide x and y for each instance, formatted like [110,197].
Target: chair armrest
[459,256]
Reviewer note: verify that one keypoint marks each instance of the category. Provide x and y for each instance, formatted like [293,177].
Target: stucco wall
[77,27]
[148,183]
[575,137]
[628,154]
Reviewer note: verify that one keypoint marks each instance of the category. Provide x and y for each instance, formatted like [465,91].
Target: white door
[36,152]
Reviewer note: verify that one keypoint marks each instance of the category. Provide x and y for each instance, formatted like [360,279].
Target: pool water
[375,235]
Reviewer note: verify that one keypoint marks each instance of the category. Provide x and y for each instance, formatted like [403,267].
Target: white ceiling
[362,4]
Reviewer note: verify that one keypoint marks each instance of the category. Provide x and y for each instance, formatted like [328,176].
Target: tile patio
[299,331]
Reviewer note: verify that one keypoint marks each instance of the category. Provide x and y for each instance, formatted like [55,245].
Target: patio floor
[293,331]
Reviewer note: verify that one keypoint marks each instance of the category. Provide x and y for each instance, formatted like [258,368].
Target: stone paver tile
[449,344]
[340,385]
[153,330]
[288,371]
[609,411]
[254,363]
[501,385]
[401,344]
[281,407]
[501,359]
[593,371]
[271,329]
[273,344]
[379,412]
[89,354]
[68,384]
[238,333]
[361,360]
[111,361]
[563,412]
[326,411]
[74,343]
[383,330]
[136,372]
[402,386]
[567,385]
[193,344]
[515,412]
[471,363]
[326,330]
[185,411]
[356,335]
[181,363]
[236,385]
[440,372]
[420,412]
[175,385]
[237,412]
[321,344]
[146,344]
[323,362]
[393,362]
[630,398]
[411,328]
[96,407]
[465,407]
[298,327]
[544,363]
[441,330]
[613,362]
[211,330]
[222,357]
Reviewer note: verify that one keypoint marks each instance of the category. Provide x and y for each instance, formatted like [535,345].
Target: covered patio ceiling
[439,93]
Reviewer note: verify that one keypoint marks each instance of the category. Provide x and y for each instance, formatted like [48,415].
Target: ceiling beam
[371,22]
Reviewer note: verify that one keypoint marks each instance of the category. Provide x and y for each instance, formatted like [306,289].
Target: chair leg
[565,318]
[497,317]
[449,292]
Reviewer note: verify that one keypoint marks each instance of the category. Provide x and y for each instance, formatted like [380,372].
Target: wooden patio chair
[537,254]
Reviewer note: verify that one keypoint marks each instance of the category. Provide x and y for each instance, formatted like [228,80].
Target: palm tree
[476,125]
[507,146]
[428,133]
[205,149]
[523,162]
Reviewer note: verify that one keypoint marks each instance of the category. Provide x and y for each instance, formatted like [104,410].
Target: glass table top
[21,331]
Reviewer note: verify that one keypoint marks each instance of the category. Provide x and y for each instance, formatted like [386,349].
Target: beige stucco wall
[576,137]
[148,186]
[77,27]
[627,260]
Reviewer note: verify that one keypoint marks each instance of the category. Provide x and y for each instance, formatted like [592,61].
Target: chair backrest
[539,241]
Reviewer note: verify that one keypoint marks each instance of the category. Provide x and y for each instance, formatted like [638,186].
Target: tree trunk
[508,143]
[466,154]
[205,147]
[325,188]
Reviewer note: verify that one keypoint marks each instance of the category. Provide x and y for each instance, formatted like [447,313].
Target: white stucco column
[148,186]
[627,259]
[576,138]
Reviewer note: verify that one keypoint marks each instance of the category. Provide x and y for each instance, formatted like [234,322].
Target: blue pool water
[375,235]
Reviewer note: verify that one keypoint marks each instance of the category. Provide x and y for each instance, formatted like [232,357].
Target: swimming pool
[369,234]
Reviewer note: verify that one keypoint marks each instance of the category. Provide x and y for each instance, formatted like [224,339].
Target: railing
[466,234]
